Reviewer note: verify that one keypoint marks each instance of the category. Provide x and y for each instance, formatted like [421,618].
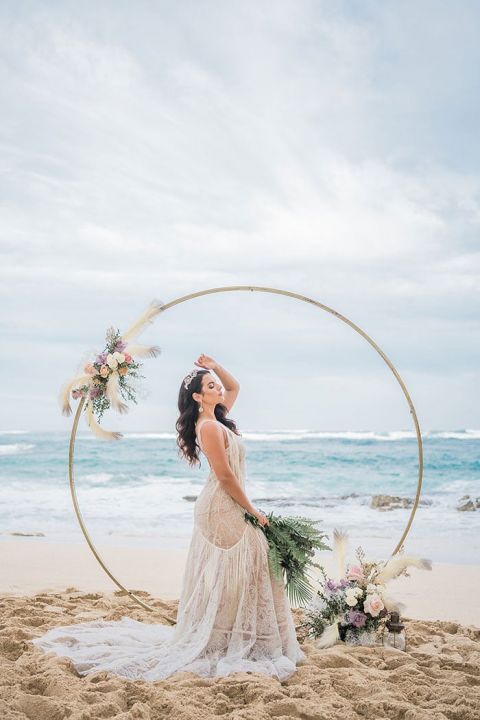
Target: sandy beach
[44,585]
[447,592]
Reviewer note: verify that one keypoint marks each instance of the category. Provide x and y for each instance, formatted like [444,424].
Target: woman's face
[212,390]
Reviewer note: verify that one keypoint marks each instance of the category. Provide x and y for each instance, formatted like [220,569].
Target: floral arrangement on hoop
[105,378]
[357,602]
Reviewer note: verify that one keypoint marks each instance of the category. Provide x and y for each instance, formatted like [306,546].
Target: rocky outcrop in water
[393,502]
[468,504]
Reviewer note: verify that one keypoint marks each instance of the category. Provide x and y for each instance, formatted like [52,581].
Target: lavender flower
[101,359]
[120,345]
[331,586]
[357,618]
[96,392]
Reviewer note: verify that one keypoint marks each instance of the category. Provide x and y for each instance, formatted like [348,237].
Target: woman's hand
[261,517]
[204,361]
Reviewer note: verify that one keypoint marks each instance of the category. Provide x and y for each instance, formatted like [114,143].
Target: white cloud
[159,150]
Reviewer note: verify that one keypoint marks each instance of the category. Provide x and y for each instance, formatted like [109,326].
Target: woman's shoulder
[199,426]
[205,422]
[211,420]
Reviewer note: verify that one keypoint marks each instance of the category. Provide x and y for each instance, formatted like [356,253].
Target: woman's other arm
[232,386]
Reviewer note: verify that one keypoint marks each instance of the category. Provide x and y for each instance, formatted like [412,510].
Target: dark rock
[393,502]
[470,505]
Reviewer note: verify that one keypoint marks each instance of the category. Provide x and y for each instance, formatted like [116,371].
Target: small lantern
[394,635]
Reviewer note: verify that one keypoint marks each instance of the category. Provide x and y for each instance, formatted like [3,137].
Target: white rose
[120,357]
[111,361]
[358,592]
[372,588]
[350,598]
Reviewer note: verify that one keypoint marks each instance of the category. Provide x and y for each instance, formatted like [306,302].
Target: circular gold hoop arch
[275,291]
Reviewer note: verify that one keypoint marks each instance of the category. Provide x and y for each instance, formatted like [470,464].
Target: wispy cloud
[325,148]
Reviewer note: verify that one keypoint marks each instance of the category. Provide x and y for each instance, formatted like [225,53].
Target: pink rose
[373,604]
[128,358]
[76,394]
[89,369]
[104,370]
[355,573]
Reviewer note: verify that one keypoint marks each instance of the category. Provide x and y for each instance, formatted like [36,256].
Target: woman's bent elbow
[226,479]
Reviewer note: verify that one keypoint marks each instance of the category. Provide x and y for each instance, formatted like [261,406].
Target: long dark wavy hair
[185,425]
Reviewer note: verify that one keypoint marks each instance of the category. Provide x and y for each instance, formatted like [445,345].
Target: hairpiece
[189,378]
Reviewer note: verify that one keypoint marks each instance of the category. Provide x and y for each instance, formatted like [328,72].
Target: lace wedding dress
[233,615]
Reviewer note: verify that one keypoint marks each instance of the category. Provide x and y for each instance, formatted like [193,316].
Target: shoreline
[446,593]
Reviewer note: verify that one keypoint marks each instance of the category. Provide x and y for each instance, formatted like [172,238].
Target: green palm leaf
[292,542]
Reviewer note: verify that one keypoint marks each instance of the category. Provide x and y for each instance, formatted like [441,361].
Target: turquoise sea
[137,491]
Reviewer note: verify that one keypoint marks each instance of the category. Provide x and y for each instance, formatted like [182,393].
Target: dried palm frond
[397,564]
[111,392]
[143,350]
[147,317]
[95,427]
[340,539]
[64,396]
[329,636]
[393,605]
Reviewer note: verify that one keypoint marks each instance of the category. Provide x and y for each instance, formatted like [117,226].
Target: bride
[233,615]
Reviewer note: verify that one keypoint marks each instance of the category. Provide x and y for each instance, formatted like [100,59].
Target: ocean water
[139,492]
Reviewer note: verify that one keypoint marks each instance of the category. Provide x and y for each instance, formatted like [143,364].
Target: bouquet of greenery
[292,542]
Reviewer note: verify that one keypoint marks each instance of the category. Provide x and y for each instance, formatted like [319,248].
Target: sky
[150,150]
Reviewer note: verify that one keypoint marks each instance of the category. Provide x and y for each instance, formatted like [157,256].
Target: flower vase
[360,637]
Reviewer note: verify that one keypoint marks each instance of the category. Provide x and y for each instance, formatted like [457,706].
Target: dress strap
[198,434]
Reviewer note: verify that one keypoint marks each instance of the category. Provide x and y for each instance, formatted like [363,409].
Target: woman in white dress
[233,615]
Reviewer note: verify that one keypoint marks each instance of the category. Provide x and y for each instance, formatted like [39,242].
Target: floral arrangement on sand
[357,602]
[106,376]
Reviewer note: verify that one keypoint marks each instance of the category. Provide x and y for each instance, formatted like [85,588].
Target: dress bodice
[235,450]
[218,516]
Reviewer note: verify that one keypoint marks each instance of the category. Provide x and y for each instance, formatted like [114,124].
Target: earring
[200,409]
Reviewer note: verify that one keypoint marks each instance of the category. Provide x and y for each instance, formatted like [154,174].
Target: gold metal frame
[275,291]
